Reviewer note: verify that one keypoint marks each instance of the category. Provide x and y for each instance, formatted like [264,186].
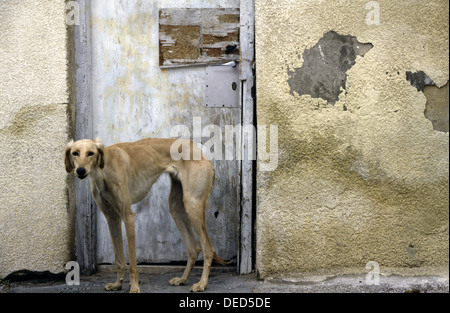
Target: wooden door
[139,88]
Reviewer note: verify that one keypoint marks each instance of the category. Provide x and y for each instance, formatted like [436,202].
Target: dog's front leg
[115,230]
[131,239]
[114,221]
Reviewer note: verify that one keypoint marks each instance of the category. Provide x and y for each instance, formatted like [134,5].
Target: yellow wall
[36,220]
[365,179]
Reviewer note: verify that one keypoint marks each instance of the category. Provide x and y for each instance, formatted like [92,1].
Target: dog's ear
[101,152]
[68,160]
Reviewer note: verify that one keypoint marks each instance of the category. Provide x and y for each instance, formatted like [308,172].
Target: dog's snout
[81,171]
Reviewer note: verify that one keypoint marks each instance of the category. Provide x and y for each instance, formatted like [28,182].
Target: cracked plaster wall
[36,218]
[365,179]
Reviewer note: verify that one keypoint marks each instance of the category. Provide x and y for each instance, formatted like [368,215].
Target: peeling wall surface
[323,73]
[36,219]
[437,99]
[363,172]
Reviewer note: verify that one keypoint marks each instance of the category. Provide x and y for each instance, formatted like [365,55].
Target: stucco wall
[366,178]
[36,220]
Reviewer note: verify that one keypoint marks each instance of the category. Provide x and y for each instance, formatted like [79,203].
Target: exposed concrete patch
[437,107]
[325,65]
[419,80]
[437,99]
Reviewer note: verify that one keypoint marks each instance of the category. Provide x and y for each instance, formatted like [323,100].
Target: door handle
[231,64]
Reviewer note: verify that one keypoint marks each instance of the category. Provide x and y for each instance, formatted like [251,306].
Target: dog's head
[83,156]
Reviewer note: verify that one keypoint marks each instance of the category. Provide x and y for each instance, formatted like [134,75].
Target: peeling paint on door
[198,36]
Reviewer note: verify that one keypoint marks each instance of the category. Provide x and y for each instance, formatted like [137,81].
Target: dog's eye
[91,153]
[75,154]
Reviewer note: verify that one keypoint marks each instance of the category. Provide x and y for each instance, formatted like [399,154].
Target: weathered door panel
[133,98]
[198,36]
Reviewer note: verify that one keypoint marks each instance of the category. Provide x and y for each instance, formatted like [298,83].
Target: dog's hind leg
[179,214]
[195,209]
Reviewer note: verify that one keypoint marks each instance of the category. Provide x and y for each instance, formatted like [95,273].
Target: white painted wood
[245,262]
[85,220]
[133,98]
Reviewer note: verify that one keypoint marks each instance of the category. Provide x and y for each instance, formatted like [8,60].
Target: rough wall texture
[365,176]
[36,229]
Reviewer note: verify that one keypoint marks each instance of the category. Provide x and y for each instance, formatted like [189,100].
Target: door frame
[85,219]
[248,168]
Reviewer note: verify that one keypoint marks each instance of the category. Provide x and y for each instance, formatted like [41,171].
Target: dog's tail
[220,260]
[216,258]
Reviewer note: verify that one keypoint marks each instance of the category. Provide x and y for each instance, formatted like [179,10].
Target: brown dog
[123,174]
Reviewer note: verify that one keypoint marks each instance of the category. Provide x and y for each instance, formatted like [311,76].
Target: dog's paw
[113,286]
[135,290]
[177,281]
[198,287]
